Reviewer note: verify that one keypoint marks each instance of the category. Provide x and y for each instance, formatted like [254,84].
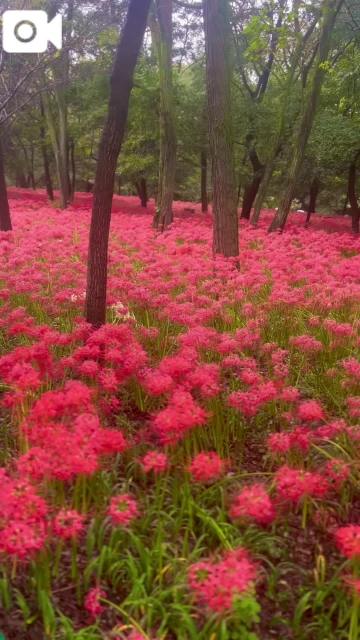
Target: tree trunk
[73,170]
[162,33]
[252,189]
[355,211]
[31,181]
[48,182]
[112,137]
[141,189]
[307,119]
[5,220]
[204,198]
[314,190]
[21,180]
[62,179]
[219,73]
[119,185]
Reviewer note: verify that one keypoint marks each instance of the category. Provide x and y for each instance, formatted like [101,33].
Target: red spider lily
[348,540]
[253,503]
[207,466]
[155,461]
[122,509]
[218,584]
[91,602]
[67,523]
[294,484]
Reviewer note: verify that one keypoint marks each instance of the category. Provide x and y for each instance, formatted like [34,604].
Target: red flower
[154,460]
[348,540]
[253,503]
[218,584]
[122,509]
[293,484]
[67,523]
[206,466]
[310,410]
[92,603]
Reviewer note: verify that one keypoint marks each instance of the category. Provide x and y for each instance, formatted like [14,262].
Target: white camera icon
[30,31]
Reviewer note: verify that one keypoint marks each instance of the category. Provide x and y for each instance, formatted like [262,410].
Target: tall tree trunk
[307,119]
[314,190]
[162,33]
[355,211]
[204,197]
[48,182]
[112,137]
[219,73]
[119,185]
[279,137]
[5,220]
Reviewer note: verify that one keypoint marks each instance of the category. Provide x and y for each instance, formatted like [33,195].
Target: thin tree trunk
[73,170]
[204,197]
[32,167]
[62,180]
[252,189]
[314,190]
[162,32]
[21,180]
[355,211]
[48,182]
[5,220]
[307,119]
[112,137]
[31,181]
[219,73]
[143,192]
[119,186]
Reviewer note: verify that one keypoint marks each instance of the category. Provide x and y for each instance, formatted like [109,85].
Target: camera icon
[30,31]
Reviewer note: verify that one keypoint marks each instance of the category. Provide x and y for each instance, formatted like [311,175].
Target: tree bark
[61,176]
[253,188]
[112,137]
[355,211]
[5,220]
[219,73]
[307,119]
[21,180]
[314,190]
[141,188]
[73,170]
[204,197]
[48,182]
[162,34]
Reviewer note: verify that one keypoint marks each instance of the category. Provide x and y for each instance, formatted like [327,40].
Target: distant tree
[162,28]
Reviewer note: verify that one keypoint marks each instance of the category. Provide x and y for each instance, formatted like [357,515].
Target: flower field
[190,470]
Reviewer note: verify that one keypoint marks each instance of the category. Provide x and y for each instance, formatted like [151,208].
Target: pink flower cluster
[218,584]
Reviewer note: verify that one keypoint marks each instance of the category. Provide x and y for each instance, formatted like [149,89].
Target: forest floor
[190,471]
